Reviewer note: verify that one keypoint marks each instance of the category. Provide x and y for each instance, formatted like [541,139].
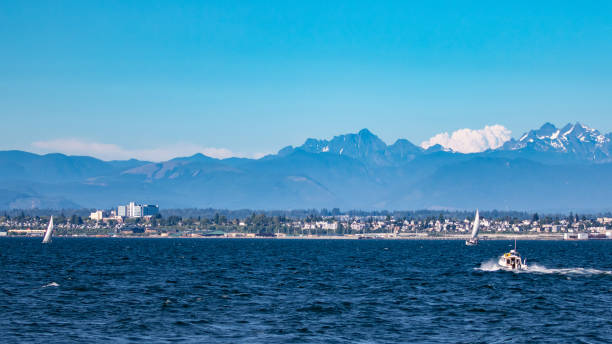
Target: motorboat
[473,240]
[512,260]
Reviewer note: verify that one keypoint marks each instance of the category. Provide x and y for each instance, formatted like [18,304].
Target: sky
[156,79]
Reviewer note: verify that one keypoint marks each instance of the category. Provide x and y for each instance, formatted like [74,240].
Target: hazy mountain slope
[57,167]
[547,168]
[514,184]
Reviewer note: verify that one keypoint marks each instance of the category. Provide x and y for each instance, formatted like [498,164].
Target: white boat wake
[491,265]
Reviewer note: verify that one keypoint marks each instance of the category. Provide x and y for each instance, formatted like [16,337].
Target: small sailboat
[49,232]
[512,260]
[473,240]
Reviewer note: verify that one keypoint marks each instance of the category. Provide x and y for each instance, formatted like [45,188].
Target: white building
[328,226]
[604,220]
[357,226]
[578,236]
[134,210]
[137,210]
[96,215]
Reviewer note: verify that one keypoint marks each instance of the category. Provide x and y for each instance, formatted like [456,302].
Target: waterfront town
[142,220]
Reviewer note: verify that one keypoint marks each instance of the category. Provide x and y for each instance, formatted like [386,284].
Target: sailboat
[473,240]
[47,238]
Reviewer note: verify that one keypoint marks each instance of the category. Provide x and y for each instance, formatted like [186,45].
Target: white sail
[49,231]
[476,225]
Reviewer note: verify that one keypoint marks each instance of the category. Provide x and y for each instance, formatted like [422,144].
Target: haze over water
[302,291]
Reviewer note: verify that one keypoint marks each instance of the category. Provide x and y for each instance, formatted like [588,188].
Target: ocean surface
[302,291]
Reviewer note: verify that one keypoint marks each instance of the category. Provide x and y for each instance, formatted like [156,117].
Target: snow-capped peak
[577,139]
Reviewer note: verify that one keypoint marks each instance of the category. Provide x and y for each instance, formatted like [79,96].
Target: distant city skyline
[246,79]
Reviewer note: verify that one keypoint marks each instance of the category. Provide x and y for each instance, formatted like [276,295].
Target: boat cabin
[512,259]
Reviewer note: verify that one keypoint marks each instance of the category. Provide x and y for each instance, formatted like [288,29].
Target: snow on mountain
[363,146]
[352,171]
[575,139]
[354,145]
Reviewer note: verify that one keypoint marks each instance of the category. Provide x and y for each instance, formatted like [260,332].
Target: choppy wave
[262,291]
[491,265]
[52,284]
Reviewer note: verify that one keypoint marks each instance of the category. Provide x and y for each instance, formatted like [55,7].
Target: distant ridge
[548,168]
[363,146]
[576,139]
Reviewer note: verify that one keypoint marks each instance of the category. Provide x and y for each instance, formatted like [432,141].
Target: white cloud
[471,140]
[107,151]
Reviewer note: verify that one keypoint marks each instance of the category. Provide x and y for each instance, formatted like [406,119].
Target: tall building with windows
[137,210]
[149,210]
[134,210]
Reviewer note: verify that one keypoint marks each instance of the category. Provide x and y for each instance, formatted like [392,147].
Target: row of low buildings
[373,224]
[600,228]
[131,210]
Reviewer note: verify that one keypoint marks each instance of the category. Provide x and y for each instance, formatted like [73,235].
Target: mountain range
[550,168]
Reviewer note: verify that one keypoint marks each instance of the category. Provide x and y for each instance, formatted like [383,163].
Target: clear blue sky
[254,76]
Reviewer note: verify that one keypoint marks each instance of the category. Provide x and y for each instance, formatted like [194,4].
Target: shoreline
[496,237]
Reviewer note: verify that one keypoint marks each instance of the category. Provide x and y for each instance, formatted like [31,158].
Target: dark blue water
[301,291]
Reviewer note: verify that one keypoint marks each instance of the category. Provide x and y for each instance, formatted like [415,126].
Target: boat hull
[471,242]
[518,265]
